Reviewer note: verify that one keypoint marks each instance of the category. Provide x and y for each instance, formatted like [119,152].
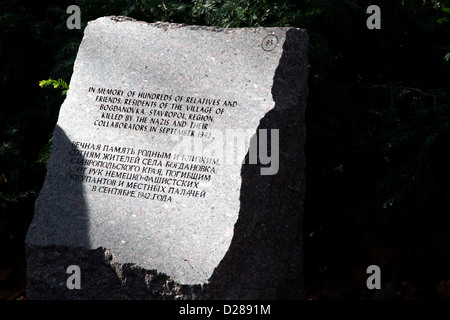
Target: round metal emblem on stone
[269,42]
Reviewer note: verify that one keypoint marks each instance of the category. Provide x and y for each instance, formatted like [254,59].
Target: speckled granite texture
[150,189]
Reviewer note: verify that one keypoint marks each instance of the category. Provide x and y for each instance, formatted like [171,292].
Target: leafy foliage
[57,84]
[445,20]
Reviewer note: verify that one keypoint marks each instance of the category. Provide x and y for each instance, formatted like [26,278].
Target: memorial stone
[176,169]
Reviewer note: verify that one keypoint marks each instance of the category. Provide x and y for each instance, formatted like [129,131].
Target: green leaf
[57,84]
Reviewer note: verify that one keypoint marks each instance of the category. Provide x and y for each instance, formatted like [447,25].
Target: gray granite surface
[150,189]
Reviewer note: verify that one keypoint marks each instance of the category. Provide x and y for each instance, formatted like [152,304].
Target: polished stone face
[153,153]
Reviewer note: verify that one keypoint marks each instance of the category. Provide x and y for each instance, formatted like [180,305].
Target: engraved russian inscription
[147,174]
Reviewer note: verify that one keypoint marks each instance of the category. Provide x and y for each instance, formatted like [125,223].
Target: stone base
[102,278]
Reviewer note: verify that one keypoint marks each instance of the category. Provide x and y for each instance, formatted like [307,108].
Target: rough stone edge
[232,279]
[102,277]
[170,25]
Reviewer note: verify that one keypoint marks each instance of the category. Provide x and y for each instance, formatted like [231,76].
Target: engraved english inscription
[158,112]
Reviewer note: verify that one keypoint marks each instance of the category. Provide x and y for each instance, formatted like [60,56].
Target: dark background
[378,131]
